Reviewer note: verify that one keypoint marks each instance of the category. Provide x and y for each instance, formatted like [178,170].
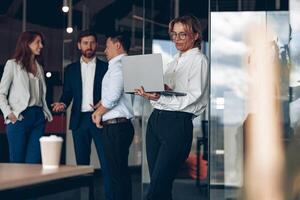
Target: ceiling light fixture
[70,27]
[48,74]
[69,30]
[65,7]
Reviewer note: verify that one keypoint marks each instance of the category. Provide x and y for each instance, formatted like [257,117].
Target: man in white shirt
[82,85]
[113,114]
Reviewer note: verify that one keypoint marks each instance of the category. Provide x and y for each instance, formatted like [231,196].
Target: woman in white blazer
[23,99]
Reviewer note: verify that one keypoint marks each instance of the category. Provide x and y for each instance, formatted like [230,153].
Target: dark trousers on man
[23,136]
[168,143]
[82,137]
[117,139]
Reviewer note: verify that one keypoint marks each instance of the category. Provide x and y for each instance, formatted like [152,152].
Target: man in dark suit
[82,84]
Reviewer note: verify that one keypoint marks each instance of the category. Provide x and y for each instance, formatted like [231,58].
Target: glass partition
[230,109]
[292,54]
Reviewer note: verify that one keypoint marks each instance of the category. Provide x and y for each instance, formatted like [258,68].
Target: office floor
[183,190]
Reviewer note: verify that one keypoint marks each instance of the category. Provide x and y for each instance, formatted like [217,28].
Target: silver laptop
[147,71]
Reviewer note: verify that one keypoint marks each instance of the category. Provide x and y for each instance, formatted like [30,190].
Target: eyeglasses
[181,35]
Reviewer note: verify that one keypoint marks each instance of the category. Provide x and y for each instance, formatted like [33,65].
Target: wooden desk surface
[18,175]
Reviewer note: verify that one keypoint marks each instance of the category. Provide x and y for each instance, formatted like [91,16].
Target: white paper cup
[51,151]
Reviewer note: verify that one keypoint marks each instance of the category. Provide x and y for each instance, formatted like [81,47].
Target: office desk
[19,181]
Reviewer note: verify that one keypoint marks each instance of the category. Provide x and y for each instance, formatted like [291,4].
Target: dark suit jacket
[72,88]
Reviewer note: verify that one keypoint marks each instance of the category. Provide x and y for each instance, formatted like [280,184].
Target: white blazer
[15,93]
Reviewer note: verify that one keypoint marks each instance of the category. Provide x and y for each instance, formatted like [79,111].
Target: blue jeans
[23,136]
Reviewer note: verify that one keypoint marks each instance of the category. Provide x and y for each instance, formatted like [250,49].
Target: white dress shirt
[113,96]
[187,73]
[87,76]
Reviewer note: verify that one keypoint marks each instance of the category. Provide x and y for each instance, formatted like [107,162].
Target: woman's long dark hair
[23,53]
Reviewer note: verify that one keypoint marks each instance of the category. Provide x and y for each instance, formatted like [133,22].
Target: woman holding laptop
[170,129]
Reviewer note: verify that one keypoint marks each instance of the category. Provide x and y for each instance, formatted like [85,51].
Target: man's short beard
[91,54]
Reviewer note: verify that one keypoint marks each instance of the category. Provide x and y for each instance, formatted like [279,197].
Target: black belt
[115,121]
[168,112]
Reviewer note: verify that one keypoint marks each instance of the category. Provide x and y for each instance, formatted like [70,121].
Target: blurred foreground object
[264,157]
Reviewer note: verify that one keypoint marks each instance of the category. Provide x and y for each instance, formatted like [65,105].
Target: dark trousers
[82,137]
[117,140]
[23,136]
[168,143]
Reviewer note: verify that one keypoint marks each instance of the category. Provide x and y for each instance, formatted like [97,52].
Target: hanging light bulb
[48,74]
[69,30]
[69,27]
[65,7]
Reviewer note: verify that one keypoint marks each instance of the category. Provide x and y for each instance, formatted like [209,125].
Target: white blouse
[187,73]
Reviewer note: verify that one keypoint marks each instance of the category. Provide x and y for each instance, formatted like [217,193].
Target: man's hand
[58,107]
[98,113]
[150,96]
[96,117]
[12,118]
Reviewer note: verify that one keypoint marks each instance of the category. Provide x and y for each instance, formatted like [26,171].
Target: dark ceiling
[249,5]
[48,12]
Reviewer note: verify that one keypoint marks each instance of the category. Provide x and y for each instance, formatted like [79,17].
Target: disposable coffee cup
[51,151]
